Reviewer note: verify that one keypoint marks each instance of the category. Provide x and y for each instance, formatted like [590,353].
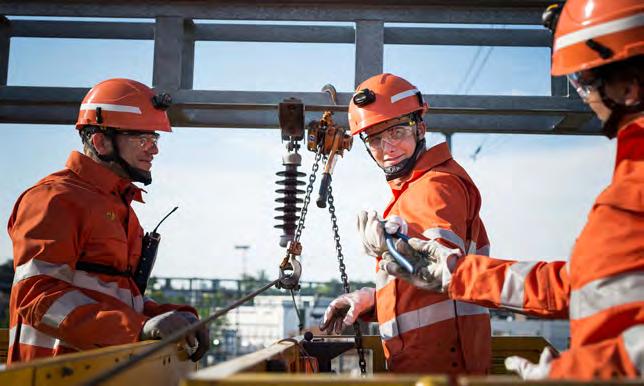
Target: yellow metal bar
[529,347]
[318,379]
[165,368]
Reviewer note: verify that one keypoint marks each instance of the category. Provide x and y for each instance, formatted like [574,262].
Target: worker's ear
[422,129]
[101,143]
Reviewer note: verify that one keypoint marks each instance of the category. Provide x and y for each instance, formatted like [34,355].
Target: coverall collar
[630,141]
[103,178]
[434,156]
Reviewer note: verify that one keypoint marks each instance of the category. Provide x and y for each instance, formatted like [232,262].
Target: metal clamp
[290,272]
[399,257]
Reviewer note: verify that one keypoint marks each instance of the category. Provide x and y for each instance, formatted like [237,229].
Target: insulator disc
[290,173]
[290,190]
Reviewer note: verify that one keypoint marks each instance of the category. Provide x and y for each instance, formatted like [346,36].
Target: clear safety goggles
[584,82]
[144,140]
[392,135]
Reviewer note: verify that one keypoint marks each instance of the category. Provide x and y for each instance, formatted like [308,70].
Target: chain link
[345,280]
[307,197]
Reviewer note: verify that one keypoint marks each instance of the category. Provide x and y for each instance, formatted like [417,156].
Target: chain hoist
[327,141]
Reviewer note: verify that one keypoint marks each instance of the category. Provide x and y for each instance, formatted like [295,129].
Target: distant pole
[244,252]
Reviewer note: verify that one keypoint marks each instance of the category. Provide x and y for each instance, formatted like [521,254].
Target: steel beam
[5,42]
[188,55]
[284,33]
[436,11]
[369,49]
[245,109]
[168,52]
[468,37]
[82,30]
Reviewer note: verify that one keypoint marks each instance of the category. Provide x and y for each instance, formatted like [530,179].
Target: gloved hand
[163,325]
[372,231]
[198,341]
[528,370]
[345,309]
[433,263]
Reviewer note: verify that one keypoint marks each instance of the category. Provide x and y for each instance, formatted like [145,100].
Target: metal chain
[345,280]
[307,197]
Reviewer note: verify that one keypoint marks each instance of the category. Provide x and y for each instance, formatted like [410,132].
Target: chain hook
[290,272]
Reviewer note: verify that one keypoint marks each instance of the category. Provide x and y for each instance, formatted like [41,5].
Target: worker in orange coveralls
[422,332]
[599,44]
[77,241]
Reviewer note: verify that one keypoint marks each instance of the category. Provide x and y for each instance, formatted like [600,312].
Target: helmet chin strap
[618,111]
[135,174]
[405,166]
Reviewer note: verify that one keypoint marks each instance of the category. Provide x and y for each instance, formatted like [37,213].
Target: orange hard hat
[124,104]
[591,33]
[382,98]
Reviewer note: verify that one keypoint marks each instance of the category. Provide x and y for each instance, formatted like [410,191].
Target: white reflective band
[403,95]
[85,280]
[634,343]
[12,335]
[427,316]
[599,30]
[35,267]
[471,248]
[484,251]
[602,294]
[445,234]
[63,306]
[33,337]
[108,107]
[514,283]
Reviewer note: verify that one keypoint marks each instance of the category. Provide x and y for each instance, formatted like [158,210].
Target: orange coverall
[81,213]
[424,332]
[601,289]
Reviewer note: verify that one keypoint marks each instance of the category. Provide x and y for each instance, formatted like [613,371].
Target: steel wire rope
[174,337]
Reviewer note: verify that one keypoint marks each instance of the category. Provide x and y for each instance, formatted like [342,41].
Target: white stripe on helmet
[599,30]
[108,107]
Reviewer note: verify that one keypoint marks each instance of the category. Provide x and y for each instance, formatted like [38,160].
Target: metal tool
[399,257]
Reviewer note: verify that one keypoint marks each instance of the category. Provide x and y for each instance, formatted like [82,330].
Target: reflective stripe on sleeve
[35,267]
[33,337]
[512,294]
[427,316]
[604,293]
[63,306]
[445,234]
[484,251]
[634,343]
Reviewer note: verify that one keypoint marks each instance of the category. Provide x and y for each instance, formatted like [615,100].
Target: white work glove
[164,325]
[345,309]
[433,263]
[528,370]
[372,231]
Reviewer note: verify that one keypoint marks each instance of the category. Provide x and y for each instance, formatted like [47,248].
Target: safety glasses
[144,140]
[584,82]
[392,135]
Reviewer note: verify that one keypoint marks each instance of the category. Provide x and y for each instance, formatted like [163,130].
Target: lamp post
[244,252]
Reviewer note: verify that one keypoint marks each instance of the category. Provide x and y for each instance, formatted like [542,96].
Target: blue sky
[537,190]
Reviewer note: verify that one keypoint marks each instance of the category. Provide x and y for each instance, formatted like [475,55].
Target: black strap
[100,268]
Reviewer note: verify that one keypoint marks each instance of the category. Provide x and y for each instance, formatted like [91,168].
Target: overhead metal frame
[177,26]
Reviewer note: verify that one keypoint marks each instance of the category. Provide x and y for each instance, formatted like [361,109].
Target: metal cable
[345,280]
[174,338]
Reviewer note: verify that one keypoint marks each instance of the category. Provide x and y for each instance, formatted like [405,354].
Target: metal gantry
[175,32]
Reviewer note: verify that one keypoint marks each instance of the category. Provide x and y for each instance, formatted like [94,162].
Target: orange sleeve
[607,359]
[47,229]
[534,288]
